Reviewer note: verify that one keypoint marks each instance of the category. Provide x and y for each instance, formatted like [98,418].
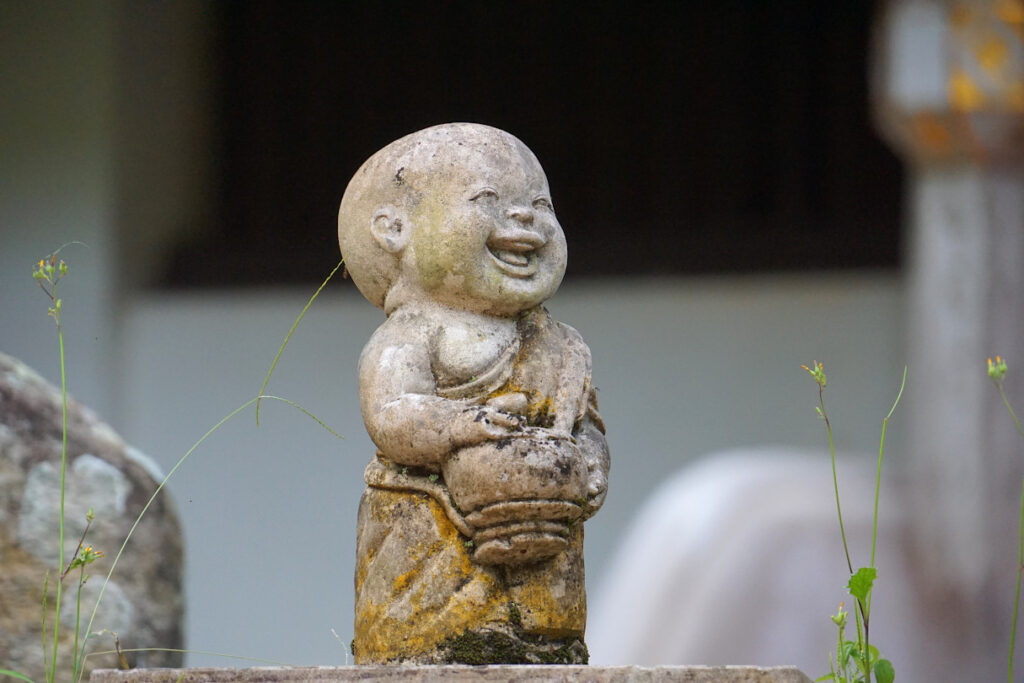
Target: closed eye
[484,193]
[543,203]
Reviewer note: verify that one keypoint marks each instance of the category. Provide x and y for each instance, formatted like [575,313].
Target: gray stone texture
[142,603]
[464,674]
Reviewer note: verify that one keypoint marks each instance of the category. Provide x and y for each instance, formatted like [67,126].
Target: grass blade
[288,336]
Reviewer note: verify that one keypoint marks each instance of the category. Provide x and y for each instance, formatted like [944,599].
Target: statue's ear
[390,228]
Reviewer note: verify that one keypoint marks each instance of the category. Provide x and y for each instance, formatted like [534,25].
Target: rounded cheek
[556,256]
[448,255]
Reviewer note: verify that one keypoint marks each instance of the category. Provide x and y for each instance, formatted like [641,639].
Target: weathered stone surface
[143,601]
[491,452]
[464,674]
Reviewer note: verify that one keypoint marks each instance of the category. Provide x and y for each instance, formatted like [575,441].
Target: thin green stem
[859,608]
[287,337]
[1016,592]
[839,654]
[78,548]
[859,620]
[78,622]
[881,450]
[63,474]
[846,670]
[866,608]
[160,487]
[46,595]
[1020,543]
[835,476]
[1006,402]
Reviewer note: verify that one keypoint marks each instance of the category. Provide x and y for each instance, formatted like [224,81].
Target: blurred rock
[143,601]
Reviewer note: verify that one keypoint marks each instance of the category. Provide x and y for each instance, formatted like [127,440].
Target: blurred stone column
[948,89]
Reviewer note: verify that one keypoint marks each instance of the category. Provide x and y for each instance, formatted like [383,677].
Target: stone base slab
[460,674]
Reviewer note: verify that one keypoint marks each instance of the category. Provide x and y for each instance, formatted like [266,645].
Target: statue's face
[486,238]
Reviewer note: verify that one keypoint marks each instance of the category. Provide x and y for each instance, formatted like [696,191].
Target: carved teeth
[513,258]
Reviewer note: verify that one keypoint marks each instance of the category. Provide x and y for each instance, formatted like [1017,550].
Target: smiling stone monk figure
[491,452]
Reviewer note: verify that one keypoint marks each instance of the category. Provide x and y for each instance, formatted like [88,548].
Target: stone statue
[491,452]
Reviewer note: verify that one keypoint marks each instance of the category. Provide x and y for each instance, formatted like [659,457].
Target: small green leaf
[884,673]
[861,582]
[826,677]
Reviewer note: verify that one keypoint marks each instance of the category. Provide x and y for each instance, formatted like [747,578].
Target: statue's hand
[597,489]
[515,403]
[595,452]
[485,423]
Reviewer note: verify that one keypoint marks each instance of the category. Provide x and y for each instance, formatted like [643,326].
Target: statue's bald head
[403,180]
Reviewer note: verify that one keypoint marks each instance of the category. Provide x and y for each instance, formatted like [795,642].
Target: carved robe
[420,594]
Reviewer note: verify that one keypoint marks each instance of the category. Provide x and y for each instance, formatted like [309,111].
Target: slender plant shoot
[997,373]
[865,657]
[288,336]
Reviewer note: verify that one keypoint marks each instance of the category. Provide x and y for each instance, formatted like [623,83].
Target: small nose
[521,214]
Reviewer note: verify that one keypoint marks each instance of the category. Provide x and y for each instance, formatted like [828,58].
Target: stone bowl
[520,495]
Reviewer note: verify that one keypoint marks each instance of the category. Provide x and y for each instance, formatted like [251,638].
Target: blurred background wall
[730,215]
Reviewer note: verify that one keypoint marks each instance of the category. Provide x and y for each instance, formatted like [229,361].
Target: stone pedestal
[461,674]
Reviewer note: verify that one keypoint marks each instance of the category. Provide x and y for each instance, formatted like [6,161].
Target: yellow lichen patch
[1010,11]
[964,94]
[929,132]
[540,410]
[362,563]
[442,593]
[544,614]
[991,54]
[1015,97]
[451,536]
[475,605]
[403,580]
[506,388]
[381,638]
[539,407]
[382,512]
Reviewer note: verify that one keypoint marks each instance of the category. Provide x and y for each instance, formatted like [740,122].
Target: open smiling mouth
[516,259]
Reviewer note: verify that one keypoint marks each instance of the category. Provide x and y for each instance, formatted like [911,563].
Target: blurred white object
[738,560]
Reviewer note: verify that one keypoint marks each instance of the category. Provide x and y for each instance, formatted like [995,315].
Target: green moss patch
[489,646]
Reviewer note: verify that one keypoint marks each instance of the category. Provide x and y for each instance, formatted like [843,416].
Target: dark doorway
[678,137]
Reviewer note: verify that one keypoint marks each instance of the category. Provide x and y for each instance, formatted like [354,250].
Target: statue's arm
[405,418]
